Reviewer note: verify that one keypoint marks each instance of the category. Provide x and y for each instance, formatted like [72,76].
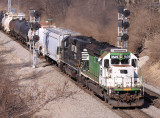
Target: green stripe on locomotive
[94,66]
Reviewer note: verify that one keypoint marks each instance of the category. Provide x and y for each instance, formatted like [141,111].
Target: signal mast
[34,20]
[123,24]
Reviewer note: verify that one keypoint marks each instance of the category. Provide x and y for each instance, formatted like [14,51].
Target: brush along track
[120,112]
[153,97]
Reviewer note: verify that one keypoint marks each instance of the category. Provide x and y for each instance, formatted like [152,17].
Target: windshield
[117,61]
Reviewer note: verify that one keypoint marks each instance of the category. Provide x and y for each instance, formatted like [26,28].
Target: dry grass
[10,101]
[18,100]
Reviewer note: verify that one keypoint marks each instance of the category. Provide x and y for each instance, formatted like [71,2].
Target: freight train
[110,72]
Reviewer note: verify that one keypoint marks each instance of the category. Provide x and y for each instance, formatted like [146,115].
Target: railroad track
[133,113]
[145,115]
[124,113]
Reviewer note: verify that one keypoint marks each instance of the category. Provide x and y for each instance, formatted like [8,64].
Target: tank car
[3,20]
[24,28]
[21,29]
[7,21]
[1,17]
[11,26]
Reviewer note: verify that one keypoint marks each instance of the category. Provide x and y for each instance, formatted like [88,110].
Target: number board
[117,57]
[126,56]
[114,57]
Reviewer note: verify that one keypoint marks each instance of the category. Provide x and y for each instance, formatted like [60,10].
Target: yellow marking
[78,67]
[127,89]
[59,58]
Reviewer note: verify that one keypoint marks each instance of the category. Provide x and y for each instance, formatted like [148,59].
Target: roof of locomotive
[83,39]
[97,47]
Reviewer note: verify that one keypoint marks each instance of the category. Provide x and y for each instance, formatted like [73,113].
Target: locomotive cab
[119,74]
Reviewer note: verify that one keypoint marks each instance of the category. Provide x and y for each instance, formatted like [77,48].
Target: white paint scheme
[111,76]
[123,80]
[4,18]
[6,23]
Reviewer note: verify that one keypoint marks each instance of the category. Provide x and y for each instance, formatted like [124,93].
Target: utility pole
[9,6]
[18,6]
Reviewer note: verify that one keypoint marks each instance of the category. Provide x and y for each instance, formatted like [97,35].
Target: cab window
[115,61]
[134,63]
[66,43]
[125,61]
[106,63]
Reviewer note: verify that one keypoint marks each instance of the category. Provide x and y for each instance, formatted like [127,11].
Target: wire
[18,5]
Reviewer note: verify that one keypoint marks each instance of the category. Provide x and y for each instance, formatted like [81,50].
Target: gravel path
[143,61]
[48,81]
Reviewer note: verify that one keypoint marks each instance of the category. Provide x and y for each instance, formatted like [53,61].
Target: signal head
[126,25]
[35,38]
[36,26]
[126,13]
[125,37]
